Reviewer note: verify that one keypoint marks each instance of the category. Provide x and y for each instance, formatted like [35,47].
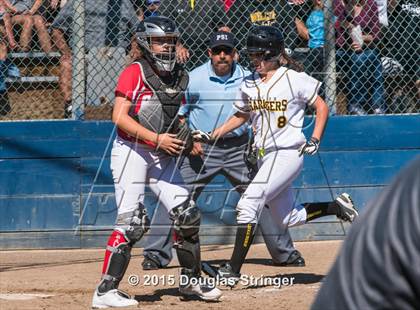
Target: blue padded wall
[56,187]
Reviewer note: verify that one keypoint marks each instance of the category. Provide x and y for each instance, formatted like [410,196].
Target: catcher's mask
[159,30]
[265,43]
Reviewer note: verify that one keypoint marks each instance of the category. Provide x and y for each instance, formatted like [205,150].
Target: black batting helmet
[266,39]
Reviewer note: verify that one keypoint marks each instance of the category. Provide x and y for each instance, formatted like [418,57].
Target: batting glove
[201,136]
[309,147]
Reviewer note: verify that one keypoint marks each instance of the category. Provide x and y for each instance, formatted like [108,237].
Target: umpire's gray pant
[224,157]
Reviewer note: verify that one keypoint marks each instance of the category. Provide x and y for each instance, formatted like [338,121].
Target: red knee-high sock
[114,241]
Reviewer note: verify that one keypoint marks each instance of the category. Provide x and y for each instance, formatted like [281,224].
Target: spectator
[228,4]
[4,99]
[109,26]
[65,75]
[382,12]
[212,89]
[312,31]
[152,7]
[146,8]
[6,29]
[26,14]
[55,4]
[357,28]
[7,69]
[196,19]
[40,27]
[13,15]
[50,9]
[243,14]
[403,37]
[391,68]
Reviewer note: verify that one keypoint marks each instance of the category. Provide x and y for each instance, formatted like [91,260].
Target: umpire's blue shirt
[209,98]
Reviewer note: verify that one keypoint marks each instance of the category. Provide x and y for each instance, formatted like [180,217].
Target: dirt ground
[65,279]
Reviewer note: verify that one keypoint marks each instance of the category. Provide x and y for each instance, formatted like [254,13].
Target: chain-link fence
[62,59]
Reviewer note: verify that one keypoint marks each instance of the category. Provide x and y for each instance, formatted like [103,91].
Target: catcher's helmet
[265,39]
[158,26]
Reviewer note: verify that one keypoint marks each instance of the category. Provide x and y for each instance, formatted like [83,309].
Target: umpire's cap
[222,38]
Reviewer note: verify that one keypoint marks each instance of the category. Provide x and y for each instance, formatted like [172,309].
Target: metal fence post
[79,59]
[329,65]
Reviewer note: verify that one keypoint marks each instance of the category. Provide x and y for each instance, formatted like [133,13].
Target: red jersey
[132,87]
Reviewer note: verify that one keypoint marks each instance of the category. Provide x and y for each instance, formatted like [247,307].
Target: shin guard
[188,252]
[117,257]
[186,219]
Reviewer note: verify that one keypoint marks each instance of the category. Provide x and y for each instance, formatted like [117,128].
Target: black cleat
[151,262]
[295,260]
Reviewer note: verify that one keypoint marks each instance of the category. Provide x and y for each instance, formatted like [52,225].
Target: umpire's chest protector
[159,113]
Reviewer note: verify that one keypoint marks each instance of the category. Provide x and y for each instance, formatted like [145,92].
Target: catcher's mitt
[184,134]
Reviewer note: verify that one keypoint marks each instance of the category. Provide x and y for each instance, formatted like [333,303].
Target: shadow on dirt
[157,296]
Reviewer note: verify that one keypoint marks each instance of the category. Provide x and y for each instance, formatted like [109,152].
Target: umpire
[211,91]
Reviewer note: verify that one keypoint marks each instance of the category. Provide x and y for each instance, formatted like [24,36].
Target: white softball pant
[272,186]
[134,166]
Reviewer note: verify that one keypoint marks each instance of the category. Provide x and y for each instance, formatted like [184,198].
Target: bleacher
[30,64]
[38,82]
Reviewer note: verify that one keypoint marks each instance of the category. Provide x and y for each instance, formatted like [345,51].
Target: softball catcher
[148,96]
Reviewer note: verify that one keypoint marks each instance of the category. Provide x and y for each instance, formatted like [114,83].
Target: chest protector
[160,113]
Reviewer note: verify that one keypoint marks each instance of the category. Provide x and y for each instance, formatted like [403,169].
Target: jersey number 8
[281,121]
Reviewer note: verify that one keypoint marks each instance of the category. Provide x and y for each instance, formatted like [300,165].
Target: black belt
[232,141]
